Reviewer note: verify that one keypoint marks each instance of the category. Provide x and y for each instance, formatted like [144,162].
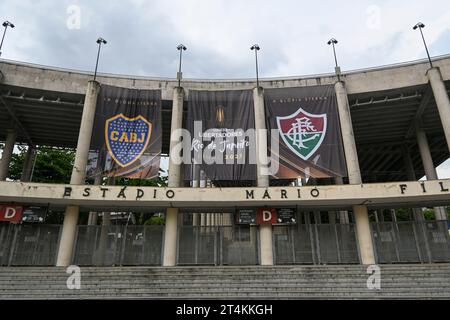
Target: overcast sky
[142,35]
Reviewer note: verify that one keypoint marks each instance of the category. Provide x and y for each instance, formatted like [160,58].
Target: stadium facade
[390,127]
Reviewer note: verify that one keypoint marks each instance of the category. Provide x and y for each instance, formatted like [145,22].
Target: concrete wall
[359,81]
[388,194]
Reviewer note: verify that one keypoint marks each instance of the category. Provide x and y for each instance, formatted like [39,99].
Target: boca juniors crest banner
[309,134]
[126,138]
[219,123]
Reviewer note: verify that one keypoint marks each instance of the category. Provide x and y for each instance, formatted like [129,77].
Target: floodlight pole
[6,24]
[337,69]
[256,48]
[99,41]
[420,26]
[181,48]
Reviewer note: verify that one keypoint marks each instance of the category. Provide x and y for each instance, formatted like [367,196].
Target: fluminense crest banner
[309,134]
[126,138]
[221,126]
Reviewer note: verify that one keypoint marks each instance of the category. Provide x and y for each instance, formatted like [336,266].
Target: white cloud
[292,34]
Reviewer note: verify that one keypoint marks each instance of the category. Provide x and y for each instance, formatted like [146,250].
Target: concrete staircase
[425,281]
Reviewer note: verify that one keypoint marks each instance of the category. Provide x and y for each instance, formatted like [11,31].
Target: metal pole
[335,58]
[96,63]
[426,47]
[257,76]
[337,66]
[179,69]
[1,44]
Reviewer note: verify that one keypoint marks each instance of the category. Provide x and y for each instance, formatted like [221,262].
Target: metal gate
[29,245]
[315,244]
[402,242]
[118,245]
[214,245]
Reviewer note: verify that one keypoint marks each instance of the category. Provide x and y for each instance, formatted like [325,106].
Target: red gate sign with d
[10,213]
[266,216]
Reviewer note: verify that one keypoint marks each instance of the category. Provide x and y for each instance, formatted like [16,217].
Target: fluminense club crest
[127,138]
[303,132]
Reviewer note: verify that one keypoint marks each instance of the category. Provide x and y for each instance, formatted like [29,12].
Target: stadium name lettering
[148,193]
[404,187]
[122,194]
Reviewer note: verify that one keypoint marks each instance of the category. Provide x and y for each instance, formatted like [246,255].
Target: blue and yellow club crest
[127,138]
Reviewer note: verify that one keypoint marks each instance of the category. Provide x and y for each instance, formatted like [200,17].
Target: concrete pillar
[428,166]
[348,138]
[203,219]
[177,123]
[11,135]
[195,219]
[365,243]
[78,173]
[174,181]
[442,100]
[265,230]
[364,235]
[425,154]
[28,164]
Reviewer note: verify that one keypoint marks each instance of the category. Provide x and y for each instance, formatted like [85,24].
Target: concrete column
[425,154]
[195,219]
[265,230]
[177,123]
[174,181]
[11,135]
[364,235]
[203,219]
[348,138]
[28,164]
[428,166]
[354,174]
[78,173]
[442,100]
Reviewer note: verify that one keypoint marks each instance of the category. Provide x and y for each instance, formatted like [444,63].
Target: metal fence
[25,245]
[224,245]
[315,244]
[118,245]
[395,242]
[37,245]
[400,242]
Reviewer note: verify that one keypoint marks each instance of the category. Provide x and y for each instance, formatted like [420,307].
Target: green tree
[52,165]
[155,220]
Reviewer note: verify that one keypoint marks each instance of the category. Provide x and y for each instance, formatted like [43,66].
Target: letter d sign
[266,216]
[10,213]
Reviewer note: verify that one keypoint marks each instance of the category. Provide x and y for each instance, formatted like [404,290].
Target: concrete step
[431,281]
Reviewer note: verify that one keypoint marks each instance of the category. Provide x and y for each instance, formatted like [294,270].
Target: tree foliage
[52,165]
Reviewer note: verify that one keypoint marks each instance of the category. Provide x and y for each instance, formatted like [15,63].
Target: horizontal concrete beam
[358,81]
[422,193]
